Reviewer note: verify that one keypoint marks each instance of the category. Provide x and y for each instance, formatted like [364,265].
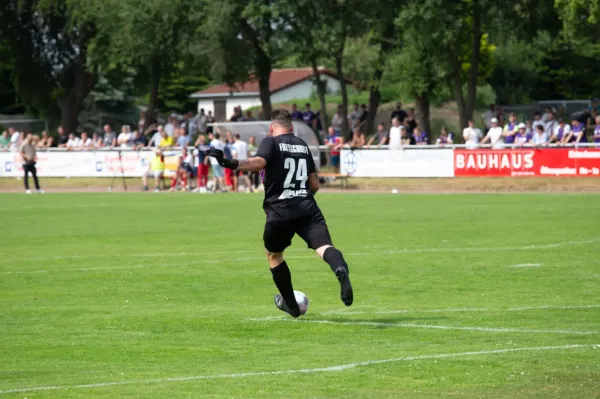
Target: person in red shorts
[183,170]
[201,152]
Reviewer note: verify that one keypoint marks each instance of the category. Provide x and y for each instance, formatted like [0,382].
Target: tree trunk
[321,92]
[344,91]
[386,46]
[155,73]
[263,88]
[72,103]
[422,113]
[68,113]
[457,89]
[475,58]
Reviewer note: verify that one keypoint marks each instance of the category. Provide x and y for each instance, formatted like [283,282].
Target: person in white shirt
[488,116]
[549,123]
[494,135]
[560,133]
[472,135]
[218,172]
[540,137]
[170,126]
[395,137]
[537,120]
[124,137]
[73,142]
[15,140]
[240,151]
[85,143]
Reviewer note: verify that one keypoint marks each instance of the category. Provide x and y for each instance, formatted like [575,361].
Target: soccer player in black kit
[291,182]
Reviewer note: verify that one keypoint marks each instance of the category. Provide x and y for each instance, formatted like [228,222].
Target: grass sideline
[413,185]
[169,296]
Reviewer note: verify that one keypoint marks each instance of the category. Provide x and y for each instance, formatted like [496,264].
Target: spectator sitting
[309,117]
[96,140]
[73,143]
[550,124]
[381,136]
[139,140]
[510,130]
[494,135]
[445,137]
[166,140]
[15,139]
[396,132]
[85,143]
[124,137]
[237,114]
[577,133]
[540,138]
[110,137]
[488,116]
[4,140]
[399,113]
[472,135]
[45,141]
[596,136]
[410,122]
[521,138]
[420,137]
[184,139]
[561,132]
[63,139]
[296,115]
[358,139]
[333,141]
[364,115]
[249,117]
[537,120]
[156,168]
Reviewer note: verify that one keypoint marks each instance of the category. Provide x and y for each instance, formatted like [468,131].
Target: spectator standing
[488,116]
[4,140]
[550,123]
[124,138]
[202,121]
[358,139]
[156,168]
[184,169]
[596,135]
[45,142]
[157,132]
[15,139]
[364,115]
[254,176]
[381,136]
[218,172]
[240,149]
[445,138]
[410,122]
[354,117]
[249,117]
[399,113]
[139,140]
[202,161]
[395,136]
[166,140]
[472,135]
[63,139]
[494,135]
[170,126]
[331,141]
[510,130]
[211,119]
[73,143]
[337,122]
[561,132]
[537,120]
[110,137]
[237,114]
[309,117]
[141,121]
[28,153]
[184,139]
[540,138]
[296,115]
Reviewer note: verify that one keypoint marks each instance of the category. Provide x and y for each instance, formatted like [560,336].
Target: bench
[343,178]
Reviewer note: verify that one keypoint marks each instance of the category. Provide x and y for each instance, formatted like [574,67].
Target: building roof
[280,79]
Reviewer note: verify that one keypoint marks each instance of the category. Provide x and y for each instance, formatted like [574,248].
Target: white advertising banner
[438,162]
[85,163]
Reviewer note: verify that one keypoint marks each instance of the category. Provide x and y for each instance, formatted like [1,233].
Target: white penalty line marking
[527,265]
[341,367]
[166,255]
[425,326]
[449,310]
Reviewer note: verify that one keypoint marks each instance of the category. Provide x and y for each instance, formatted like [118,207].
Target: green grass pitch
[169,296]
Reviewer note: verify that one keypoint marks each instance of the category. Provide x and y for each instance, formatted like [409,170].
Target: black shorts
[312,229]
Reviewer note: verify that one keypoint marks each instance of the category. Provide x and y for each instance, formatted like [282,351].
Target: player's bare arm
[313,183]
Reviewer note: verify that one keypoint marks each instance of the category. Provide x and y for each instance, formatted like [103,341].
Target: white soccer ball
[394,191]
[302,301]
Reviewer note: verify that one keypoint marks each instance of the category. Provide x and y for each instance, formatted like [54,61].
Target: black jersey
[289,163]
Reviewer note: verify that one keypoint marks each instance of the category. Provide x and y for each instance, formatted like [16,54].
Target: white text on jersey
[293,148]
[286,194]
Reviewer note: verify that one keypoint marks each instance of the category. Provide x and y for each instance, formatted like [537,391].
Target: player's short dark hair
[282,116]
[237,136]
[217,136]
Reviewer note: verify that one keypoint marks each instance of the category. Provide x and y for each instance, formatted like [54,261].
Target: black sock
[334,259]
[283,280]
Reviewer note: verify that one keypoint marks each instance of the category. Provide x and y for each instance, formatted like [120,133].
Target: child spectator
[540,138]
[156,168]
[521,138]
[596,136]
[202,163]
[332,141]
[445,137]
[184,169]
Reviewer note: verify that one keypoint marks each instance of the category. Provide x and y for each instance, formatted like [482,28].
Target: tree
[47,49]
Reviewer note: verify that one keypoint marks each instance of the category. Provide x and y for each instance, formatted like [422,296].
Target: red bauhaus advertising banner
[528,162]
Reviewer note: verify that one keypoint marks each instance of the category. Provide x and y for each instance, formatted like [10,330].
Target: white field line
[449,310]
[337,368]
[428,326]
[166,255]
[527,265]
[22,207]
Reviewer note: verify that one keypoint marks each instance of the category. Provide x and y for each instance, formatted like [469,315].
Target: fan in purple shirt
[596,137]
[420,137]
[296,115]
[577,134]
[521,137]
[510,130]
[308,116]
